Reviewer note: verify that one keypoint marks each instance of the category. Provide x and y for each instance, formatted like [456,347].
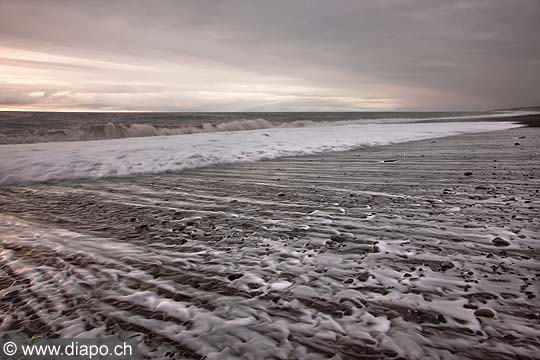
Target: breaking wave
[24,163]
[120,131]
[132,130]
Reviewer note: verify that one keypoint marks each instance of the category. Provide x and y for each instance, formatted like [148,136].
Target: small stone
[280,194]
[364,276]
[500,242]
[142,227]
[468,173]
[348,281]
[407,275]
[390,160]
[517,144]
[484,313]
[446,265]
[233,277]
[338,238]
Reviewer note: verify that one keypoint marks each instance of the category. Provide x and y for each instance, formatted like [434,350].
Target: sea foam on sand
[25,163]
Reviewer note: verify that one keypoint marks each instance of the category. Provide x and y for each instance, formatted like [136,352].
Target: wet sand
[425,249]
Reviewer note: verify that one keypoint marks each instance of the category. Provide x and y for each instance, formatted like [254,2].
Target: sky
[256,55]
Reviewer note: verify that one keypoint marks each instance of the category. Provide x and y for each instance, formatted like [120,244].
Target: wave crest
[120,131]
[27,163]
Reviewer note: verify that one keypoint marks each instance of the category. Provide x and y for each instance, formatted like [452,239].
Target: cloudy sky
[269,55]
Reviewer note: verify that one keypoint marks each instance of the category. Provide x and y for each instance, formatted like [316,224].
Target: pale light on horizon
[193,57]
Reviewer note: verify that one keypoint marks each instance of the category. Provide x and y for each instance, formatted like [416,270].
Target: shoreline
[381,252]
[30,163]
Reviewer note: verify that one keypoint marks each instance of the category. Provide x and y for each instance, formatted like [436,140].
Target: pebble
[233,277]
[338,238]
[364,276]
[468,173]
[484,313]
[500,242]
[142,227]
[446,265]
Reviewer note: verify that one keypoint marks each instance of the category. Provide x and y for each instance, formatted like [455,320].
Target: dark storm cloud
[277,55]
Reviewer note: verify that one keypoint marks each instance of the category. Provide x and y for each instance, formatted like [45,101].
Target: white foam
[127,130]
[23,163]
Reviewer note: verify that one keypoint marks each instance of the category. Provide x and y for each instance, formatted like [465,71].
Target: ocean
[271,236]
[33,127]
[43,146]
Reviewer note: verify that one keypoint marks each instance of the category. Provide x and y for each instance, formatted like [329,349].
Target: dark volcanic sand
[384,252]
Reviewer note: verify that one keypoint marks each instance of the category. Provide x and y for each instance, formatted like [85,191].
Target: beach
[414,250]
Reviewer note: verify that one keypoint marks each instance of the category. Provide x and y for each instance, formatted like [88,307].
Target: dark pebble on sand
[484,313]
[390,160]
[517,144]
[446,265]
[338,238]
[364,276]
[142,227]
[233,277]
[348,281]
[280,194]
[468,173]
[390,353]
[500,242]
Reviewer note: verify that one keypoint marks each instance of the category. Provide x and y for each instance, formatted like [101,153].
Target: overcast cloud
[269,55]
